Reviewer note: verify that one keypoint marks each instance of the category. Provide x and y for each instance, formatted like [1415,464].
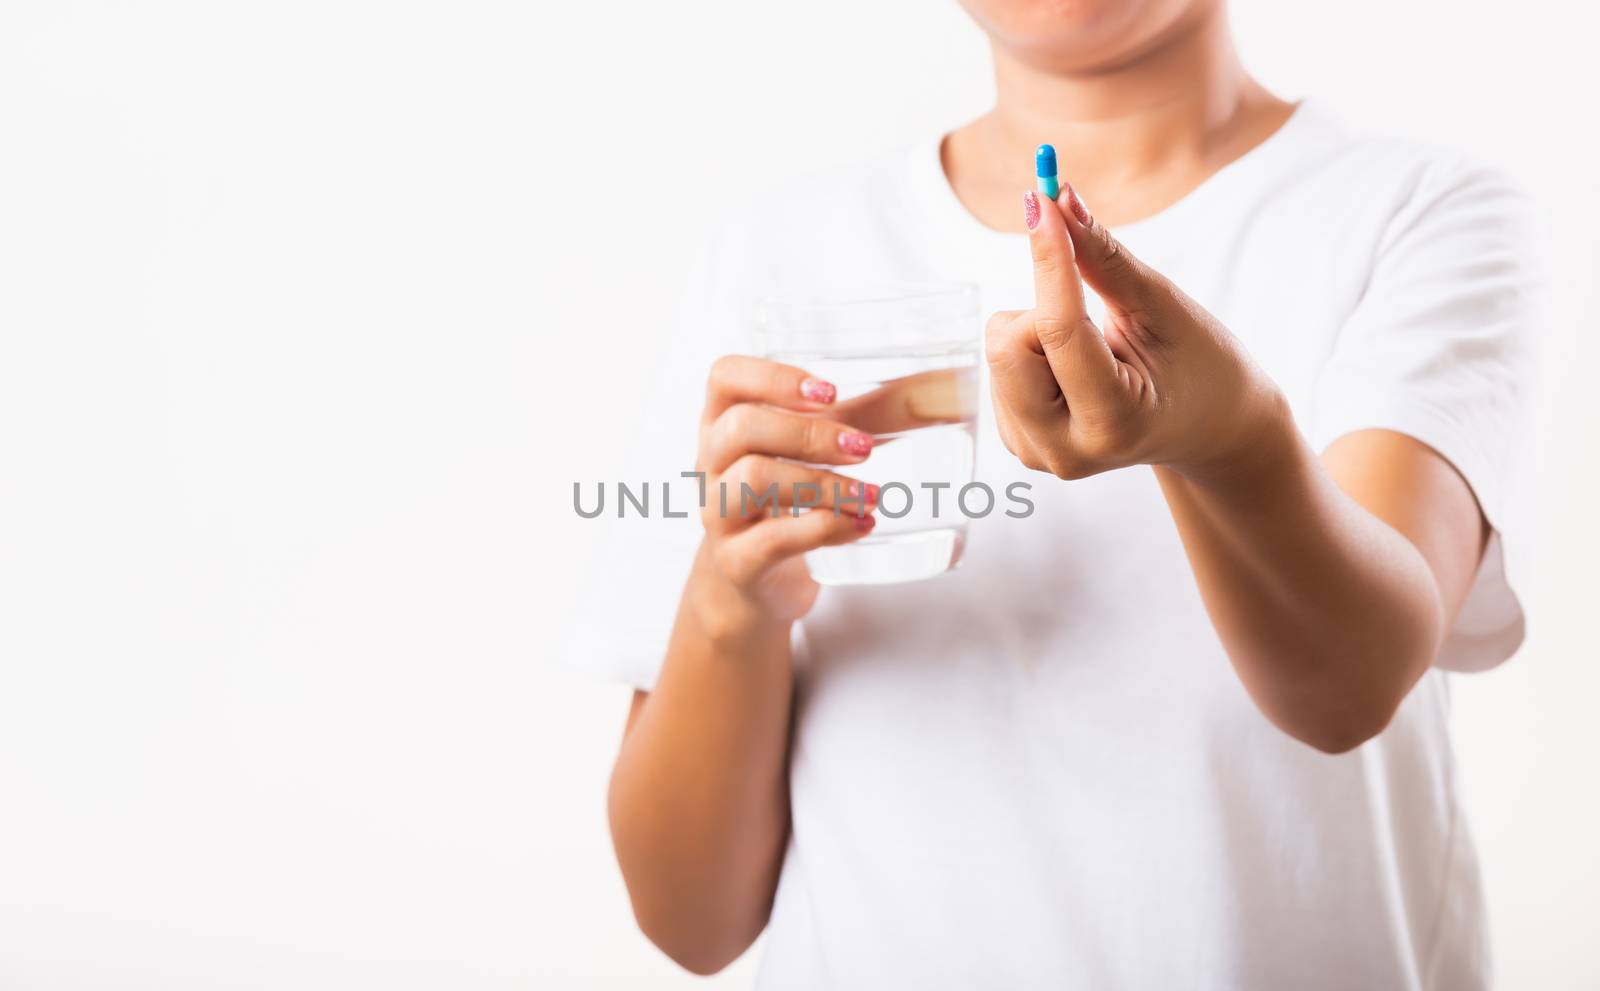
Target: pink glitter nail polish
[858,444]
[1076,205]
[818,391]
[1030,209]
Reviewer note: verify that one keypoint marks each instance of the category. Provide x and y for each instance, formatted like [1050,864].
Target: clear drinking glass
[905,361]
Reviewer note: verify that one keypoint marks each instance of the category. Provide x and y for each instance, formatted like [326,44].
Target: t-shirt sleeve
[1443,347]
[642,550]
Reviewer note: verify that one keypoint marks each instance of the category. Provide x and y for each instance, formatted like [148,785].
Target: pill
[1044,167]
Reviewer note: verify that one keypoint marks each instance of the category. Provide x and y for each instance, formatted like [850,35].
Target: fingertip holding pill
[1044,169]
[1030,209]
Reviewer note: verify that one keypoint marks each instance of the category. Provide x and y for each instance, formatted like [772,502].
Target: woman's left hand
[1162,383]
[1330,606]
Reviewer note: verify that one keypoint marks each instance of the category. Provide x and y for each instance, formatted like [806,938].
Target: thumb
[1082,362]
[1122,280]
[1057,293]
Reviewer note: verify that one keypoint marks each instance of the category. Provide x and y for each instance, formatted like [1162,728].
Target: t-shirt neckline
[929,177]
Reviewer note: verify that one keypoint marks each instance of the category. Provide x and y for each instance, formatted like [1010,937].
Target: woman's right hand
[763,426]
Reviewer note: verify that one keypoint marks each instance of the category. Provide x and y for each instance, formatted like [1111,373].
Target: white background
[310,315]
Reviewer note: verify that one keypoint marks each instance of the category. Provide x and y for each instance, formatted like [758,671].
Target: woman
[1186,724]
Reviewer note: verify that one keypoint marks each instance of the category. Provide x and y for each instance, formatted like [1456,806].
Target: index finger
[739,378]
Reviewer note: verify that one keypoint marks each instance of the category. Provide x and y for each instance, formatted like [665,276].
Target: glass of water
[905,361]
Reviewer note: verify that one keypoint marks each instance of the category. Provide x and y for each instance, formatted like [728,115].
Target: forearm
[699,797]
[1328,614]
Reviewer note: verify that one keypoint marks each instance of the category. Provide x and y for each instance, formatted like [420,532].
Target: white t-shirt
[1040,770]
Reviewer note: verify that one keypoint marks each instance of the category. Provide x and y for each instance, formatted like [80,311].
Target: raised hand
[1162,383]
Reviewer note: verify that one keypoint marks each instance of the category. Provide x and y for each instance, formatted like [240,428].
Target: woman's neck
[1132,137]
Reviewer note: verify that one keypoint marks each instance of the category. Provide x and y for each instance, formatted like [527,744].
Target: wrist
[724,615]
[1262,445]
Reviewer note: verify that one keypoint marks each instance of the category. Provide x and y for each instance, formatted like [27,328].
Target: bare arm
[699,803]
[1331,582]
[699,800]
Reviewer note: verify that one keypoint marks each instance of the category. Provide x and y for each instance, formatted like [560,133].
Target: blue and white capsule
[1044,167]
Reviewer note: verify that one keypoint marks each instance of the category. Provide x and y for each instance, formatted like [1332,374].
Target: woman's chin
[1079,35]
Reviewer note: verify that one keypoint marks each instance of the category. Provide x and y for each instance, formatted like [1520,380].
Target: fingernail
[1075,204]
[867,494]
[1030,209]
[858,444]
[865,523]
[858,495]
[818,391]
